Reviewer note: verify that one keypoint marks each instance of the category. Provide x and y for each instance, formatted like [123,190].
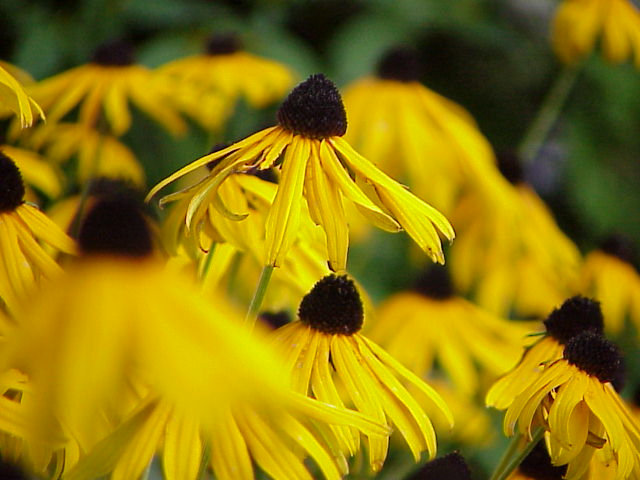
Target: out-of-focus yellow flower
[23,262]
[329,360]
[574,400]
[608,274]
[36,172]
[102,89]
[98,155]
[315,162]
[578,24]
[14,98]
[527,264]
[277,437]
[208,86]
[121,320]
[431,325]
[415,135]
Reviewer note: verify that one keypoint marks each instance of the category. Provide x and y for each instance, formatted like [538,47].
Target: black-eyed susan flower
[330,361]
[608,274]
[575,401]
[579,24]
[122,324]
[528,264]
[315,162]
[207,86]
[414,134]
[14,98]
[36,171]
[23,261]
[431,324]
[102,90]
[575,315]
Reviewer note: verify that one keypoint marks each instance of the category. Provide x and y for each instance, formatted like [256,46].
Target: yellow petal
[281,227]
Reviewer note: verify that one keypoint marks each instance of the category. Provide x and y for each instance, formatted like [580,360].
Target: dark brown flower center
[400,64]
[450,467]
[333,306]
[537,465]
[620,247]
[314,109]
[595,355]
[435,282]
[575,315]
[116,226]
[11,185]
[118,53]
[223,44]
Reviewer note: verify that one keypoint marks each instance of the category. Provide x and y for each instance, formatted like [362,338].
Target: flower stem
[548,114]
[206,264]
[204,460]
[510,460]
[258,296]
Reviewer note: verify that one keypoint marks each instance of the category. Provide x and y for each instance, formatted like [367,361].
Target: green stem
[204,461]
[510,460]
[548,114]
[258,296]
[207,262]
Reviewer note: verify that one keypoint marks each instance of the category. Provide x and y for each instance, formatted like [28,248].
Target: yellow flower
[326,355]
[278,436]
[609,275]
[527,264]
[431,325]
[315,162]
[576,315]
[36,171]
[225,246]
[578,24]
[415,135]
[98,155]
[574,400]
[122,323]
[14,97]
[102,89]
[23,262]
[208,86]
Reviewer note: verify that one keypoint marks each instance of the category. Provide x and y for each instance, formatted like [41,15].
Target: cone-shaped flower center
[510,167]
[537,465]
[595,355]
[115,226]
[11,185]
[620,247]
[314,109]
[400,64]
[333,306]
[275,319]
[223,44]
[576,315]
[435,282]
[118,53]
[451,467]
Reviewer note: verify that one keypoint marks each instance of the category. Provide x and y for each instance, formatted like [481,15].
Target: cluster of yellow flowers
[132,336]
